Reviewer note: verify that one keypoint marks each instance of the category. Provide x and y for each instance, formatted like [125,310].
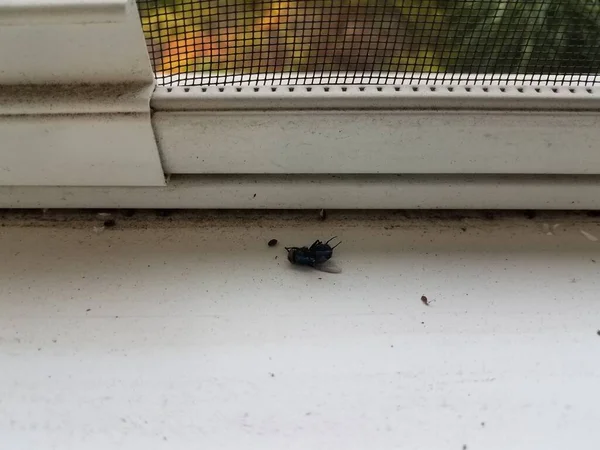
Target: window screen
[257,42]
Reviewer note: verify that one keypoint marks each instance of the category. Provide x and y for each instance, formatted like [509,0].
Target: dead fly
[318,255]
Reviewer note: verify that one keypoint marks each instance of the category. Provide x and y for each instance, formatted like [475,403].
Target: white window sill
[171,333]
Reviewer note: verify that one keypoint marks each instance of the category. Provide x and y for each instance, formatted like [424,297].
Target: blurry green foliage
[475,36]
[525,36]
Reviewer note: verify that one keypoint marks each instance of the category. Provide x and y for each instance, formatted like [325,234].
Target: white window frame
[75,88]
[88,128]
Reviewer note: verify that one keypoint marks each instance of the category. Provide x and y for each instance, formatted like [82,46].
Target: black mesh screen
[253,42]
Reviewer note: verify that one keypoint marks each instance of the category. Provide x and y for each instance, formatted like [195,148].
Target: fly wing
[329,267]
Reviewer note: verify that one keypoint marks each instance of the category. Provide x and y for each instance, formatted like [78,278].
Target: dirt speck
[425,300]
[272,242]
[463,229]
[271,374]
[88,310]
[254,196]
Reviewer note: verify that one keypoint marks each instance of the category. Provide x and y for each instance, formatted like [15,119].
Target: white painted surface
[80,53]
[75,87]
[79,150]
[399,97]
[373,142]
[192,335]
[66,100]
[30,12]
[332,192]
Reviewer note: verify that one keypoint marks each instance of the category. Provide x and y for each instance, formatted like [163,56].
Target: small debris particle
[464,447]
[422,323]
[272,242]
[39,349]
[589,236]
[254,196]
[530,214]
[54,340]
[164,438]
[598,332]
[391,346]
[110,223]
[483,424]
[88,310]
[323,214]
[424,300]
[463,229]
[594,261]
[275,256]
[272,374]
